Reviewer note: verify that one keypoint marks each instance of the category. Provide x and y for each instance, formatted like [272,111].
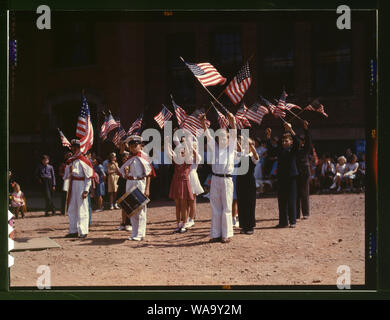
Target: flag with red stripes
[180,112]
[290,106]
[256,113]
[222,120]
[239,85]
[84,129]
[192,123]
[206,73]
[241,119]
[136,126]
[163,116]
[269,105]
[65,142]
[282,100]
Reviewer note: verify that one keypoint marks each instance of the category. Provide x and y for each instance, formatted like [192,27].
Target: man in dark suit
[287,173]
[303,163]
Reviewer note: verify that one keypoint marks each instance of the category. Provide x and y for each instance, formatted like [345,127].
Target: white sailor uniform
[139,169]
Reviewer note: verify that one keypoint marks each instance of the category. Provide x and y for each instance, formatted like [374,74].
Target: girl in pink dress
[180,189]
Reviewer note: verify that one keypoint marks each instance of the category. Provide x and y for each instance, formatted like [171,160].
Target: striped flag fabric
[179,111]
[239,85]
[256,113]
[108,125]
[163,116]
[269,105]
[290,106]
[222,120]
[136,126]
[192,123]
[282,100]
[206,73]
[65,142]
[119,134]
[241,119]
[84,128]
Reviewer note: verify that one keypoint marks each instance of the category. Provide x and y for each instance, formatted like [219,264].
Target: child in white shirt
[341,169]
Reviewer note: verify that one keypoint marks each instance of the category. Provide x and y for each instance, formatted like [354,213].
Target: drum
[133,201]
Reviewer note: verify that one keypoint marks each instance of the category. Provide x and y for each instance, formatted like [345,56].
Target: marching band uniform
[79,172]
[139,168]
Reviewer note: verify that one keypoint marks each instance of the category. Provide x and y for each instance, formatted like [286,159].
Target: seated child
[18,202]
[352,168]
[341,169]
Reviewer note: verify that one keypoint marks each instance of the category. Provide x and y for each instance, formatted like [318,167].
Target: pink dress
[180,185]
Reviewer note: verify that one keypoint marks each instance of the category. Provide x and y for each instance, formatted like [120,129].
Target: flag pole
[204,88]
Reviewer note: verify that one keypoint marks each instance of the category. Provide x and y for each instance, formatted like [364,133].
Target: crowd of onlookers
[329,174]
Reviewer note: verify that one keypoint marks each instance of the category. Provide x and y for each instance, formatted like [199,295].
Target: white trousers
[138,220]
[221,199]
[78,210]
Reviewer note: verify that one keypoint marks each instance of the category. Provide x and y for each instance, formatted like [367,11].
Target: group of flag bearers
[291,153]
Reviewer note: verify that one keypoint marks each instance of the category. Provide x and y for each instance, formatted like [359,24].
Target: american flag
[241,119]
[136,126]
[239,85]
[206,73]
[119,134]
[282,100]
[65,142]
[256,113]
[193,124]
[163,116]
[223,122]
[84,129]
[180,112]
[108,125]
[274,110]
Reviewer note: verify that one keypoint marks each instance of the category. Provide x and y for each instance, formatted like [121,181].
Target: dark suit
[287,174]
[303,164]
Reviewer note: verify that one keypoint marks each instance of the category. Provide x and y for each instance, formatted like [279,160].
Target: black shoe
[305,217]
[281,226]
[249,232]
[83,236]
[212,240]
[72,235]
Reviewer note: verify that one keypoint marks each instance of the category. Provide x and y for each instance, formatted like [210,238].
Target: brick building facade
[129,62]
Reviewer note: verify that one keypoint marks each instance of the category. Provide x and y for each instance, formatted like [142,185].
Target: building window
[228,51]
[73,44]
[332,60]
[181,81]
[276,47]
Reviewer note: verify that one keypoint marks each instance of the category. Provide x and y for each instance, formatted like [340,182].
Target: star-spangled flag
[241,119]
[119,134]
[192,123]
[136,126]
[109,124]
[239,85]
[277,112]
[206,73]
[282,100]
[65,142]
[163,116]
[256,113]
[84,129]
[179,111]
[223,122]
[269,105]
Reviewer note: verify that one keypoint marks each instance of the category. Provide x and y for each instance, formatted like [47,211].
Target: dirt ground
[306,255]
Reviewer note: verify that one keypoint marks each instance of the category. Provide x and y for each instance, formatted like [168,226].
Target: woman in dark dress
[246,189]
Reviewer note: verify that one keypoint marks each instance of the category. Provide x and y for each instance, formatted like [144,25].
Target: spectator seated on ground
[351,172]
[328,171]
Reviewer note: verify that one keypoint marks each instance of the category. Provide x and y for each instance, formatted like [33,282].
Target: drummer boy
[138,175]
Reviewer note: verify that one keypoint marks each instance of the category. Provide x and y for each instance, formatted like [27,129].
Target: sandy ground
[306,255]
